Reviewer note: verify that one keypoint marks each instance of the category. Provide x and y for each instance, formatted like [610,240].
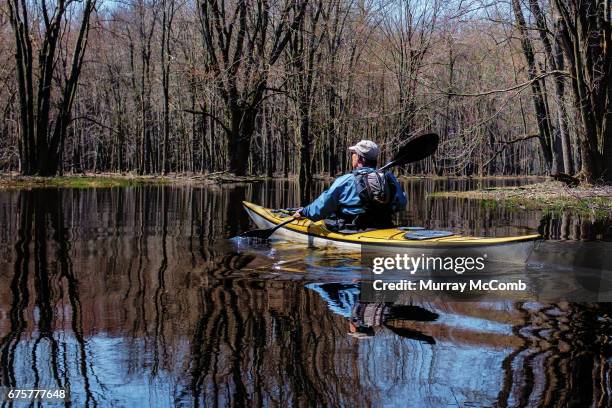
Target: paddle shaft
[265,233]
[282,224]
[387,166]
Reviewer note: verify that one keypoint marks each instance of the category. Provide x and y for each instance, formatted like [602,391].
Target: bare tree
[409,31]
[168,8]
[586,37]
[303,59]
[561,140]
[41,143]
[236,40]
[537,89]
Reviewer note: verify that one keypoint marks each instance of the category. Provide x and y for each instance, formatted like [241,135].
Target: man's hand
[298,215]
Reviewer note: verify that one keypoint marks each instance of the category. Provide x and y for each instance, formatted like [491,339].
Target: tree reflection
[42,228]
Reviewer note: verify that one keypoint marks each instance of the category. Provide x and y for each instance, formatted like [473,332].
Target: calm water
[136,297]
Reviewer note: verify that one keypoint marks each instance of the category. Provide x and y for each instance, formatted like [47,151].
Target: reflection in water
[366,317]
[41,229]
[131,295]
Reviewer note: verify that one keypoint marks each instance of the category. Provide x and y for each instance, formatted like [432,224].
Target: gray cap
[366,149]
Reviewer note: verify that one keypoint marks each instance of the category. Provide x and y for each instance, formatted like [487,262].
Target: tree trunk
[167,17]
[40,147]
[239,140]
[539,104]
[586,37]
[561,142]
[305,174]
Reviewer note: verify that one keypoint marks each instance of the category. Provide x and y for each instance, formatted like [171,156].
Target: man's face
[355,160]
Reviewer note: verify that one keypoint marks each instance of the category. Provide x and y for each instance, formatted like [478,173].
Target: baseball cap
[366,149]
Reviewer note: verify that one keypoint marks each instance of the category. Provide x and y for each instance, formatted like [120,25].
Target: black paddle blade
[412,334]
[415,149]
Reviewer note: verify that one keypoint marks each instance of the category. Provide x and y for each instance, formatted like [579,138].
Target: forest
[281,88]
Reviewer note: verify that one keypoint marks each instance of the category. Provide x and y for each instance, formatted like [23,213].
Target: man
[363,198]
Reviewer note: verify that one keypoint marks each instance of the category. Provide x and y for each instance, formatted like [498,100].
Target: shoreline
[14,181]
[107,180]
[551,196]
[547,195]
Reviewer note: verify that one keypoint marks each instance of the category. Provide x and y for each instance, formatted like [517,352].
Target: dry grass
[77,181]
[549,195]
[106,180]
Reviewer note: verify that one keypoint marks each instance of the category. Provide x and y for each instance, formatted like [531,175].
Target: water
[136,297]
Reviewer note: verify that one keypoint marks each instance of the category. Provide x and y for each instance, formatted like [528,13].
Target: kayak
[402,239]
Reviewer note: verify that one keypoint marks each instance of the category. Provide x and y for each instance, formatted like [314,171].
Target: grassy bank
[474,177]
[548,196]
[106,180]
[80,181]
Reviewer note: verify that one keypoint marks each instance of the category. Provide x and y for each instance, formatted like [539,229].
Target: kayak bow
[505,249]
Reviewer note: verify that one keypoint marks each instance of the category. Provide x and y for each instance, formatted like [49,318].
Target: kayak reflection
[364,318]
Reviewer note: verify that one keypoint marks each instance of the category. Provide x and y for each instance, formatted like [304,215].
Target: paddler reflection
[366,318]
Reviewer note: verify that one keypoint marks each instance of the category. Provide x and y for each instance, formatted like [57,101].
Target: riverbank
[10,181]
[328,178]
[106,180]
[547,196]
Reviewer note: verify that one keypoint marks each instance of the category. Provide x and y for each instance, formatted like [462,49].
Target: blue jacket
[343,196]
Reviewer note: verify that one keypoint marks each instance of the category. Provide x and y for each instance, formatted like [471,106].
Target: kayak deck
[393,237]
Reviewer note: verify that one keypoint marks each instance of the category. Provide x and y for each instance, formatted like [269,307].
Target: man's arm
[328,202]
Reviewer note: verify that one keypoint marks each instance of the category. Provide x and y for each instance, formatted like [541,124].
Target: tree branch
[92,120]
[195,112]
[512,88]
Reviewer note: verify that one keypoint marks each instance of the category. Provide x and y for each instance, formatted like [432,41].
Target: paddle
[415,149]
[264,233]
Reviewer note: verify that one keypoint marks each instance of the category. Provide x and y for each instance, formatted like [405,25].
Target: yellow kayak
[505,249]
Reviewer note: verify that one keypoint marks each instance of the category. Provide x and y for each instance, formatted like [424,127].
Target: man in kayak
[364,198]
